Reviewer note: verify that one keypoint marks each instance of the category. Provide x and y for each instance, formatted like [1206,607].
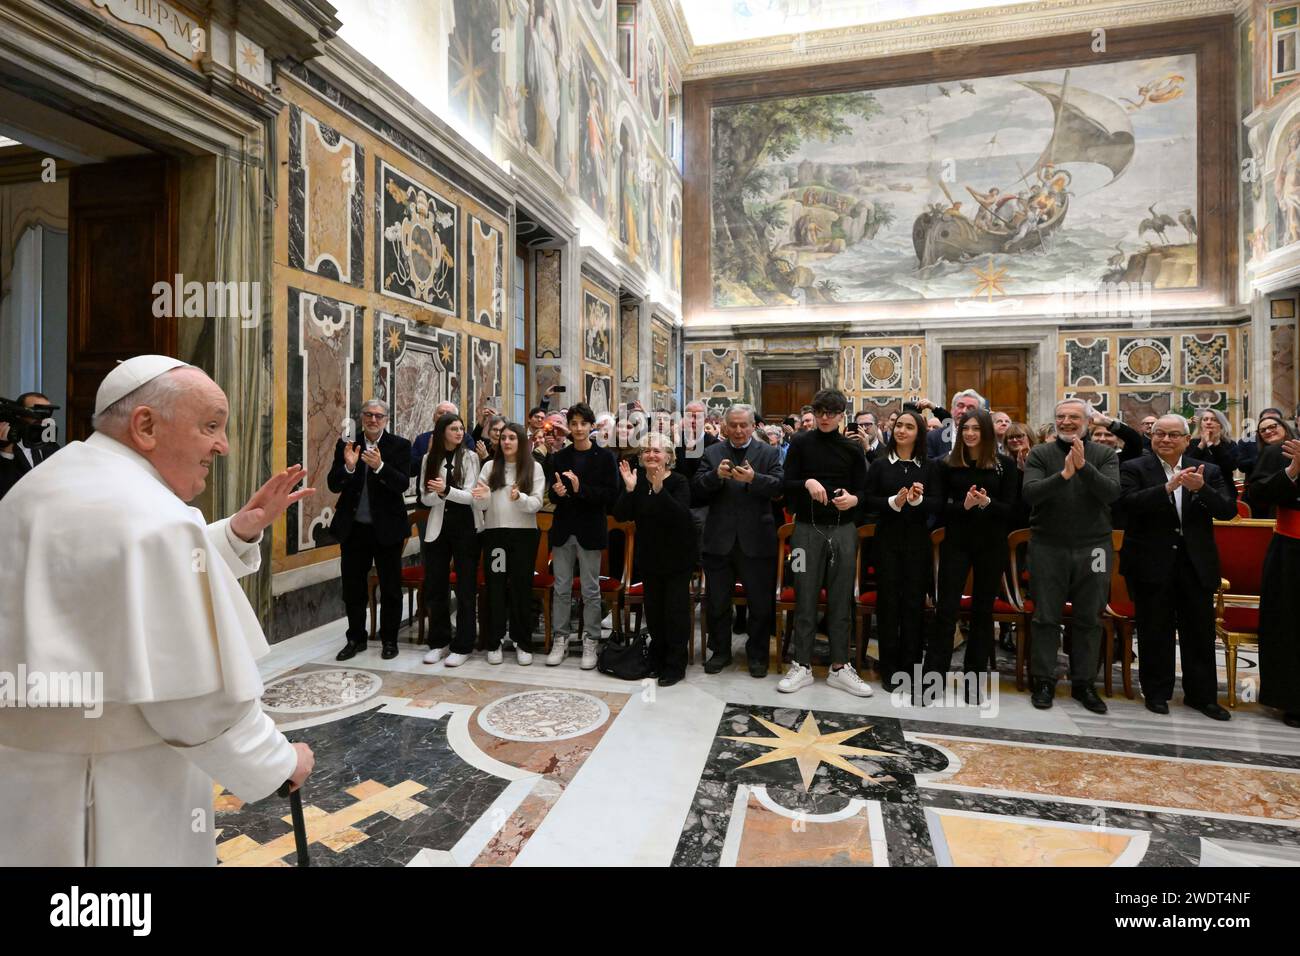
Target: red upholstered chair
[1004,608]
[1241,544]
[613,587]
[412,579]
[1118,619]
[785,596]
[1243,509]
[543,580]
[1017,590]
[634,597]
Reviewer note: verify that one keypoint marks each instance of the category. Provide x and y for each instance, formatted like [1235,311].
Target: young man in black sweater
[584,482]
[825,475]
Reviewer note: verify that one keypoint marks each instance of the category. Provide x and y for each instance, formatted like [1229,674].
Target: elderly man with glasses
[1170,502]
[370,524]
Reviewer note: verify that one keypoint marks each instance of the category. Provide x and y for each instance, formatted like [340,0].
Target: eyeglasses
[1157,434]
[1269,429]
[376,415]
[823,413]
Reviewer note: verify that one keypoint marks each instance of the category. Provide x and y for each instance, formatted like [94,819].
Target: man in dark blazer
[1169,558]
[939,441]
[22,449]
[737,479]
[371,525]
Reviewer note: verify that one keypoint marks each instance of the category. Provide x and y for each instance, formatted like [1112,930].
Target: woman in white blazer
[448,474]
[510,488]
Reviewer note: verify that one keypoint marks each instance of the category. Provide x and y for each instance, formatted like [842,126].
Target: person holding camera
[22,444]
[863,431]
[825,475]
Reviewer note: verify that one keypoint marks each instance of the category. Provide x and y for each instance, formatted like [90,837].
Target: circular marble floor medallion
[319,690]
[537,715]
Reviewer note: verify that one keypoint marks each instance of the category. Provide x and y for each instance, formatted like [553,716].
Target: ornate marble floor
[505,765]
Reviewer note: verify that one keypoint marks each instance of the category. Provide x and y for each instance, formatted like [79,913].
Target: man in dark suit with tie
[371,525]
[22,449]
[737,479]
[1169,558]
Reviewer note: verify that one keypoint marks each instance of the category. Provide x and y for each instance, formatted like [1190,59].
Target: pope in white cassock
[104,569]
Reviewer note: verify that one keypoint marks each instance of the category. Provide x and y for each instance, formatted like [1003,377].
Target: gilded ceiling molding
[964,28]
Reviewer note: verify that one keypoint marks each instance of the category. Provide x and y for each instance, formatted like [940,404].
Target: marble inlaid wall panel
[327,192]
[486,386]
[848,364]
[1205,359]
[597,326]
[417,241]
[664,363]
[1086,361]
[1099,399]
[880,405]
[915,368]
[690,375]
[1284,364]
[882,368]
[325,351]
[598,390]
[1145,361]
[547,375]
[1135,406]
[485,289]
[629,342]
[419,367]
[547,291]
[719,370]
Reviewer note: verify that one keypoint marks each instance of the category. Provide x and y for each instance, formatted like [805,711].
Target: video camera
[26,424]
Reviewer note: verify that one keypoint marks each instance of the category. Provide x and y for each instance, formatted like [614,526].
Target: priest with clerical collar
[107,572]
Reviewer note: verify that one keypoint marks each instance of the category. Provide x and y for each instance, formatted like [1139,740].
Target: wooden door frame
[1041,343]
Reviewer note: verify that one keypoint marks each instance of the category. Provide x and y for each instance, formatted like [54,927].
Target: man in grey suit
[737,479]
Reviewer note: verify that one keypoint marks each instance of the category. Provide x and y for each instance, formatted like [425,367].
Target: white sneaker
[846,678]
[522,657]
[559,651]
[455,660]
[796,678]
[436,655]
[590,651]
[494,656]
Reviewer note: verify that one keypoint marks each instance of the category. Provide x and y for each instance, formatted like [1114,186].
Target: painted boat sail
[1087,128]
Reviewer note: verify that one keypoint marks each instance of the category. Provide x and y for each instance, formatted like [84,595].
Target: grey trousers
[1080,575]
[823,557]
[563,559]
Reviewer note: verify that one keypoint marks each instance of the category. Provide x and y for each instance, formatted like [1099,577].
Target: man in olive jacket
[1069,486]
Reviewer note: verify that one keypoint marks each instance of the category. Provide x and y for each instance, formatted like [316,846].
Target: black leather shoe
[758,668]
[1157,706]
[1044,694]
[1086,694]
[1213,711]
[717,663]
[389,651]
[1291,720]
[350,651]
[669,680]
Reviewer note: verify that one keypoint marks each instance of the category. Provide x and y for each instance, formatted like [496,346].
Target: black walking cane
[299,825]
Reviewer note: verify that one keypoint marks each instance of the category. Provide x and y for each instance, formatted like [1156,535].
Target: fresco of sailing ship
[1087,128]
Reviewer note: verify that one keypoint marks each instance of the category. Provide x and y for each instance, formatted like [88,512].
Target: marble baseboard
[295,612]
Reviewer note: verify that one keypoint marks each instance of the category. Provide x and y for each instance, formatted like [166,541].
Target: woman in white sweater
[509,490]
[447,477]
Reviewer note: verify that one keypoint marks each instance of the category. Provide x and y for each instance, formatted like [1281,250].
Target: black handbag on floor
[627,660]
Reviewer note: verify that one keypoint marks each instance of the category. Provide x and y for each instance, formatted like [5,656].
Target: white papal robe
[103,569]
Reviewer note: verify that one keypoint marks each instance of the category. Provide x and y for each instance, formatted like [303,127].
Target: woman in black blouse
[900,492]
[977,498]
[1213,442]
[659,501]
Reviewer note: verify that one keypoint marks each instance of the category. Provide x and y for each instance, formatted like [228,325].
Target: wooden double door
[785,391]
[1000,375]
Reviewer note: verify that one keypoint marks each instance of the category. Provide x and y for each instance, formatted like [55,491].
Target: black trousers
[758,575]
[357,554]
[904,576]
[667,606]
[457,541]
[1176,601]
[956,561]
[509,555]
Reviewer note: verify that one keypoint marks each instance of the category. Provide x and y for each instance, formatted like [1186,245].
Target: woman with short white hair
[659,501]
[1213,442]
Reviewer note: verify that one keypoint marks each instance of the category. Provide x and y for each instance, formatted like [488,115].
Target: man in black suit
[1169,558]
[939,441]
[21,452]
[371,525]
[737,479]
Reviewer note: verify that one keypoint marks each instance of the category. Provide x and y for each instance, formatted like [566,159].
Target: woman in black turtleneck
[901,493]
[978,494]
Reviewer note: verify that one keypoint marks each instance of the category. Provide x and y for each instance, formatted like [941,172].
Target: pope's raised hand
[269,502]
